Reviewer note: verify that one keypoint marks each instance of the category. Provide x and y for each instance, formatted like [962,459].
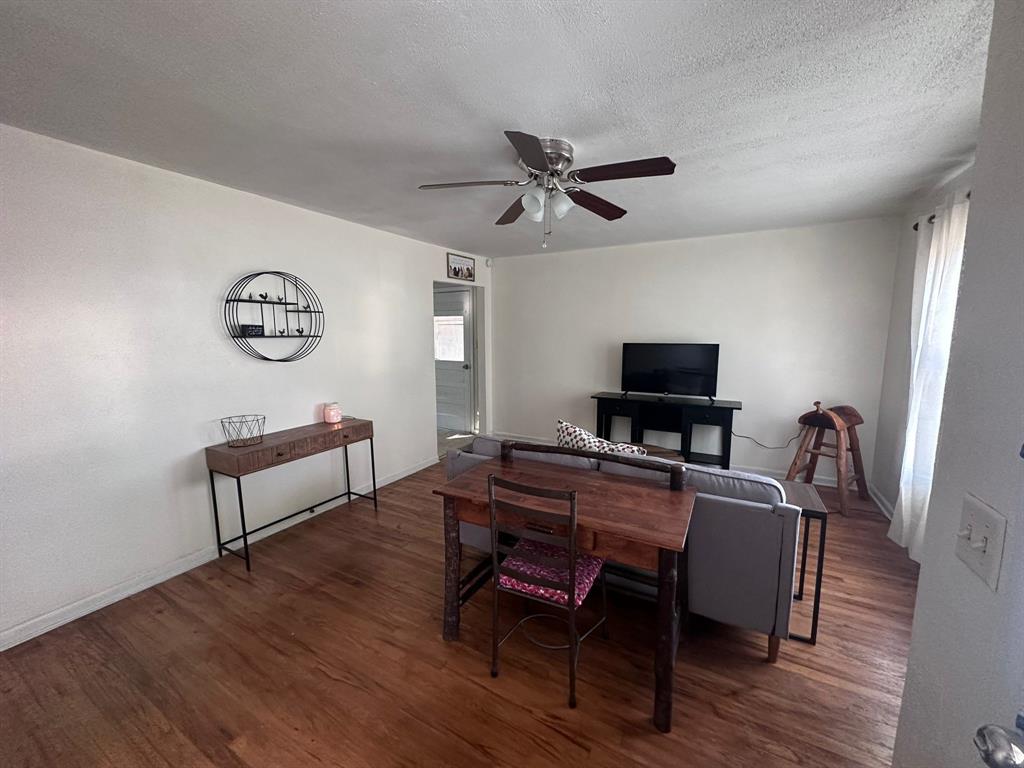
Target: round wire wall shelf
[263,310]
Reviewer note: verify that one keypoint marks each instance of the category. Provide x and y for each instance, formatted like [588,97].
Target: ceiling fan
[553,189]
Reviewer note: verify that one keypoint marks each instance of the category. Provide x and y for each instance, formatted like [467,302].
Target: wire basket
[243,430]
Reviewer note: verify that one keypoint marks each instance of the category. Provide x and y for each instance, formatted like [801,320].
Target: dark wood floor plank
[330,653]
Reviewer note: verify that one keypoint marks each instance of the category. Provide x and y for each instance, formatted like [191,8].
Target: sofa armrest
[460,461]
[789,519]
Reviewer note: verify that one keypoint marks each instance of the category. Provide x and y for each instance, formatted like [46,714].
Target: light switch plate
[979,541]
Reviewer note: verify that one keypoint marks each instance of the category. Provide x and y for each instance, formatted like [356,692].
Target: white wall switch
[979,542]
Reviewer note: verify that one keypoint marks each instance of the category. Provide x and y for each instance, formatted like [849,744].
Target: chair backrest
[546,526]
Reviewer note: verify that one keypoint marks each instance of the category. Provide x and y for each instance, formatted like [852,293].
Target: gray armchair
[742,557]
[742,548]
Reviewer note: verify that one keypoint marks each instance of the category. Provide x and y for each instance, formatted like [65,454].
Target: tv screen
[674,369]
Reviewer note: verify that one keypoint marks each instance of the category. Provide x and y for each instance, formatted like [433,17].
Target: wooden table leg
[452,571]
[668,638]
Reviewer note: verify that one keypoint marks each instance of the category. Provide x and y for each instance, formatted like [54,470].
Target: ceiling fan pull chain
[547,218]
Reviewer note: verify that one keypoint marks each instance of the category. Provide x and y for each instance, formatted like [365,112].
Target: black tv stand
[669,413]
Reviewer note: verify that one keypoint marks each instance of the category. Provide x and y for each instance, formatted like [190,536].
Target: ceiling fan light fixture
[533,203]
[537,215]
[561,204]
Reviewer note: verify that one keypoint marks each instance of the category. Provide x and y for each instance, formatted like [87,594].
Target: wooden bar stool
[843,421]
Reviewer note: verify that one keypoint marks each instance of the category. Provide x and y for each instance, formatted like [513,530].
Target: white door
[453,358]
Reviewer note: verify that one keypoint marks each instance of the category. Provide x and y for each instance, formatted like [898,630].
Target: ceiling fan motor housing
[559,153]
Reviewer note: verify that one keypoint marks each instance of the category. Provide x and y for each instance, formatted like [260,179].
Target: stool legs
[812,463]
[805,443]
[842,471]
[858,463]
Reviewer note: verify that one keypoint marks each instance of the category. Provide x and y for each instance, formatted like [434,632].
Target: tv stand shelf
[669,413]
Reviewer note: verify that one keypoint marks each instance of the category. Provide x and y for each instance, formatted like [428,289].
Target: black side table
[806,497]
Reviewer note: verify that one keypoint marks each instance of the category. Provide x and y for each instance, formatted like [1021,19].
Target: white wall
[116,368]
[895,394]
[966,662]
[801,314]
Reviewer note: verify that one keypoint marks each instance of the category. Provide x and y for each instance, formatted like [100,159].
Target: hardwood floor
[330,653]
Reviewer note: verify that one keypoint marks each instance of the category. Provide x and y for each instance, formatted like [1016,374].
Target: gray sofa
[742,541]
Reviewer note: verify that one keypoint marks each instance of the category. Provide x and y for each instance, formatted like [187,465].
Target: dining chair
[543,565]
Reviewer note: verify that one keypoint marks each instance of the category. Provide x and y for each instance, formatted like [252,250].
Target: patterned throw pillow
[571,436]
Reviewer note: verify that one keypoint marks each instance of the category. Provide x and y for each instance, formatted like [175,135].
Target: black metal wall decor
[274,305]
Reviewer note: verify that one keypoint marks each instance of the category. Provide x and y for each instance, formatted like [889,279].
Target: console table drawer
[621,550]
[623,408]
[251,461]
[311,445]
[361,430]
[314,444]
[707,416]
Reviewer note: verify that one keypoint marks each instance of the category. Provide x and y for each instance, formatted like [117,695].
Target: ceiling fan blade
[632,169]
[529,149]
[454,184]
[596,204]
[513,212]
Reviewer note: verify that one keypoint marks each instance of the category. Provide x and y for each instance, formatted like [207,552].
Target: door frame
[475,318]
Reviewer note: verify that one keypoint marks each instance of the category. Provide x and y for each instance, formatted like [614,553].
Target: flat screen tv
[673,369]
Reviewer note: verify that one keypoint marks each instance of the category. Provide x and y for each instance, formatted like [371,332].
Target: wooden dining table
[636,522]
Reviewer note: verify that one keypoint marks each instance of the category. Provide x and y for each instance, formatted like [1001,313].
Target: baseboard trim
[42,624]
[39,625]
[888,509]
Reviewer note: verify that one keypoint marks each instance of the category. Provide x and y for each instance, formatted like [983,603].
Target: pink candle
[332,413]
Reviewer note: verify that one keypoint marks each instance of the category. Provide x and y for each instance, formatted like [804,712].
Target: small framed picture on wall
[461,267]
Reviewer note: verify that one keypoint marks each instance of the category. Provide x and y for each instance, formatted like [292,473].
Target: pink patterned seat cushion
[588,568]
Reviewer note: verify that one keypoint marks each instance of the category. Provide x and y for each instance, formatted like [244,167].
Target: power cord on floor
[769,447]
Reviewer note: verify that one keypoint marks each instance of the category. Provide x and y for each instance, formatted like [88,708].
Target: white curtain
[931,335]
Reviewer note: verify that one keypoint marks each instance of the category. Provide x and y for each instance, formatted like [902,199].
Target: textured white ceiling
[777,113]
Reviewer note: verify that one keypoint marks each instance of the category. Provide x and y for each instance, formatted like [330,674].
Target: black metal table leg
[216,515]
[668,638]
[803,558]
[241,516]
[819,572]
[348,478]
[373,475]
[822,523]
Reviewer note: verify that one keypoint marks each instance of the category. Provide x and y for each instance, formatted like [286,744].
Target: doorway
[455,365]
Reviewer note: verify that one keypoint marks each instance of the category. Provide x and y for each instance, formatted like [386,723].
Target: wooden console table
[669,413]
[279,448]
